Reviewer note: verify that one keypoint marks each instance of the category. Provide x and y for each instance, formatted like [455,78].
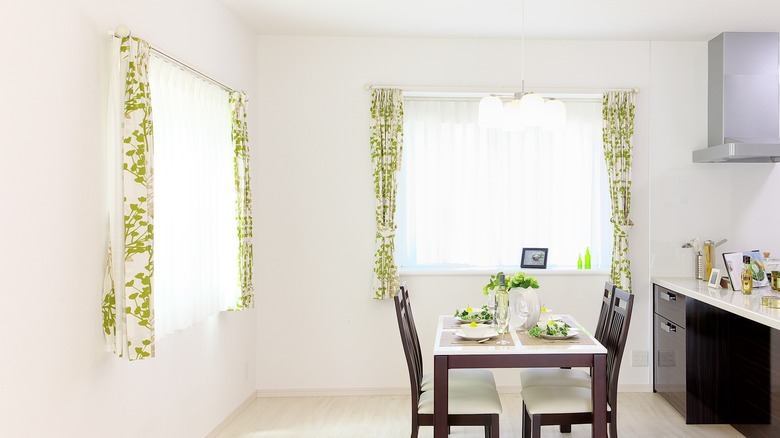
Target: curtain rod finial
[122,31]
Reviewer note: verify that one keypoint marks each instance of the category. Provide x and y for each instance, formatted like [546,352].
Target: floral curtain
[386,146]
[238,102]
[618,110]
[128,314]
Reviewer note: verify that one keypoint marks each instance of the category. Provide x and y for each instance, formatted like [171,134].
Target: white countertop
[747,306]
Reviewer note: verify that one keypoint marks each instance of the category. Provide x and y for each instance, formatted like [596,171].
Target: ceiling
[637,20]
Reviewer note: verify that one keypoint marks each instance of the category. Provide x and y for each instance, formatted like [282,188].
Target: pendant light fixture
[526,110]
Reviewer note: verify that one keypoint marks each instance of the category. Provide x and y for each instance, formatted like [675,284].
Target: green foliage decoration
[519,280]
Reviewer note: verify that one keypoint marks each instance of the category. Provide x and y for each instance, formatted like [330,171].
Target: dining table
[524,351]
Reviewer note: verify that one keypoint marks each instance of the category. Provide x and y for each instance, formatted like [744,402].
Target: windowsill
[439,271]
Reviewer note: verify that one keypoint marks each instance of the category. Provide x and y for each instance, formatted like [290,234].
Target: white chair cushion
[557,400]
[554,377]
[465,400]
[462,377]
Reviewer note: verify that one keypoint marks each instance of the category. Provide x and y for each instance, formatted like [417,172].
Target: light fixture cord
[522,50]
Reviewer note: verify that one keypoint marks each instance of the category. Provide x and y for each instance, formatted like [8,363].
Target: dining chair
[572,377]
[468,405]
[555,405]
[456,377]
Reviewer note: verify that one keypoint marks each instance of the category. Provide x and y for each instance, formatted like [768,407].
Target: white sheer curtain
[196,250]
[475,197]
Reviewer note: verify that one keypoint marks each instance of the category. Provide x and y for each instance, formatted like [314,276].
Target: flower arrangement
[519,280]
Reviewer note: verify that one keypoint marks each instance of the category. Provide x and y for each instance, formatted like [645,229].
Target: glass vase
[525,307]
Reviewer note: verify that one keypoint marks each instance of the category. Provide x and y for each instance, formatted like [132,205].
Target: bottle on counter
[709,250]
[579,261]
[587,257]
[747,276]
[502,306]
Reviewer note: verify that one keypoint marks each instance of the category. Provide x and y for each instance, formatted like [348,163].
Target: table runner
[453,323]
[580,339]
[450,339]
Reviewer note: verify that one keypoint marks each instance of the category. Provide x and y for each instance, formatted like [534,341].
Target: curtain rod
[124,31]
[488,90]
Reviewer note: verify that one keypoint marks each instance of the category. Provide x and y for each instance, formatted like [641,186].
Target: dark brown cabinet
[714,366]
[669,347]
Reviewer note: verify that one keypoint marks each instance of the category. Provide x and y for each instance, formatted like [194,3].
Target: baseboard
[233,415]
[331,392]
[635,388]
[346,392]
[509,389]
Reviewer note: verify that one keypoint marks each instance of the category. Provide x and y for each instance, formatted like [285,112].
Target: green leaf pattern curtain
[618,111]
[386,147]
[128,315]
[238,102]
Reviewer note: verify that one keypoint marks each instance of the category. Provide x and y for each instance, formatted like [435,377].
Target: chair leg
[526,423]
[536,425]
[612,418]
[565,428]
[494,426]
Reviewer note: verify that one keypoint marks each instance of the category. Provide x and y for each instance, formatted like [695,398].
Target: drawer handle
[668,297]
[669,327]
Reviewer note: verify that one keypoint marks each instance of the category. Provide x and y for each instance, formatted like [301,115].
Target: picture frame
[714,280]
[535,258]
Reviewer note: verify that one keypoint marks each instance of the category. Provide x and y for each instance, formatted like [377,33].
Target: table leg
[599,394]
[441,387]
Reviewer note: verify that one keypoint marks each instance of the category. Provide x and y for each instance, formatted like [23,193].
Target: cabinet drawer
[670,305]
[669,363]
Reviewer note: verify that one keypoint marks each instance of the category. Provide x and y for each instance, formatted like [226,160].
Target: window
[472,197]
[196,248]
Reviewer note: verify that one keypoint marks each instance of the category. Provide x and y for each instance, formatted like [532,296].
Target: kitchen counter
[746,306]
[716,355]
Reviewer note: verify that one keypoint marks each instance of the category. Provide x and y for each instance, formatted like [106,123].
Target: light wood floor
[640,415]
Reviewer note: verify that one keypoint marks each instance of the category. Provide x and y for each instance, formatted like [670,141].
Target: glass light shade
[513,117]
[554,115]
[531,109]
[490,112]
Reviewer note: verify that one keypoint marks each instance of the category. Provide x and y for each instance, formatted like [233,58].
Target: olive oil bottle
[747,276]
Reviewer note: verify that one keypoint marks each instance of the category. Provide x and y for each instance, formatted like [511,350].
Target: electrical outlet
[639,358]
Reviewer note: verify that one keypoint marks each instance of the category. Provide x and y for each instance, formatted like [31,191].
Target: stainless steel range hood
[744,99]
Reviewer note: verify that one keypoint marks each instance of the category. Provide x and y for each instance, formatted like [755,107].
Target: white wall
[710,201]
[55,377]
[315,247]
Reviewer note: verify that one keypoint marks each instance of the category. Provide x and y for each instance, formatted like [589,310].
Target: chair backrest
[607,303]
[412,329]
[615,339]
[409,351]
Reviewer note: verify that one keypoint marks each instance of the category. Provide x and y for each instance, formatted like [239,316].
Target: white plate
[476,333]
[572,333]
[468,321]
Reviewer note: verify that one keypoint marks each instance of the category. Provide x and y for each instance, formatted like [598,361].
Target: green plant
[519,280]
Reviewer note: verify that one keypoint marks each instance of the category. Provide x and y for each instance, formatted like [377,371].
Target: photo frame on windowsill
[535,258]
